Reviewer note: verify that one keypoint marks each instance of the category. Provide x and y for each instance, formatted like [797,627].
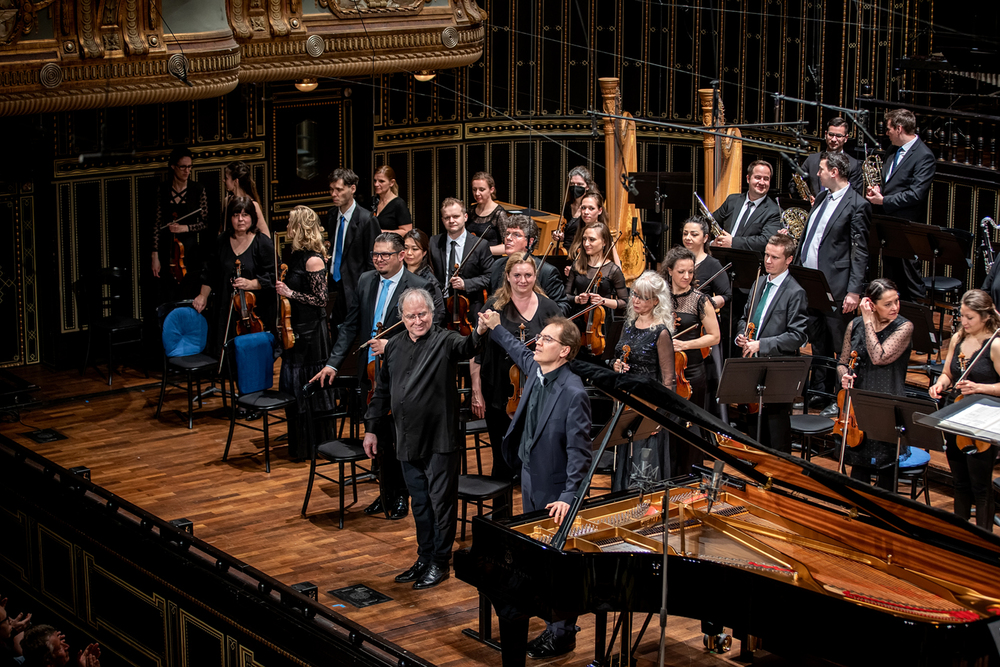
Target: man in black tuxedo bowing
[907,174]
[374,302]
[779,318]
[749,220]
[351,231]
[835,241]
[458,246]
[835,138]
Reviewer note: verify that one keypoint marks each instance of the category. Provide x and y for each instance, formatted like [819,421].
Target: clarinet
[985,245]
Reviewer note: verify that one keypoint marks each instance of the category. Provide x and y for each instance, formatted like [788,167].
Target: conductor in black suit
[351,230]
[375,301]
[907,174]
[779,318]
[460,246]
[520,235]
[835,241]
[749,220]
[835,138]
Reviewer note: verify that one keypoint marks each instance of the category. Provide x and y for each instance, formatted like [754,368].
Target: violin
[285,331]
[683,384]
[626,351]
[847,425]
[458,305]
[177,268]
[964,442]
[516,382]
[595,324]
[244,302]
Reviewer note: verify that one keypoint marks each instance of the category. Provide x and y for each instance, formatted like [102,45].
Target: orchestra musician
[882,339]
[835,241]
[305,286]
[835,138]
[487,218]
[255,253]
[648,333]
[749,220]
[416,381]
[520,236]
[374,302]
[579,183]
[457,247]
[390,212]
[238,180]
[696,328]
[520,301]
[416,256]
[972,471]
[178,197]
[611,292]
[907,174]
[549,437]
[351,230]
[779,318]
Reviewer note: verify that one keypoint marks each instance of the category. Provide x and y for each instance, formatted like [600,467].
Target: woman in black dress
[255,251]
[972,470]
[579,182]
[390,209]
[882,340]
[305,286]
[648,331]
[611,293]
[520,301]
[416,247]
[239,182]
[179,197]
[487,219]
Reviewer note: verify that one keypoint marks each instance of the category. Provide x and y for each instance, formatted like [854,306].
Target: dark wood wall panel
[10,341]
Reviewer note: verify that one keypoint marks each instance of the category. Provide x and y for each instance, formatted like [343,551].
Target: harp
[723,155]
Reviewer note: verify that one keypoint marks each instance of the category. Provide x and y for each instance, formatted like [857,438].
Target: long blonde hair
[652,285]
[503,294]
[309,235]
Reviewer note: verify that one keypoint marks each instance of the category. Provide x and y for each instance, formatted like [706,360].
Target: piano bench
[480,489]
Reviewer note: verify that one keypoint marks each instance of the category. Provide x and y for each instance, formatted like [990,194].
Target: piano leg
[514,635]
[600,638]
[485,632]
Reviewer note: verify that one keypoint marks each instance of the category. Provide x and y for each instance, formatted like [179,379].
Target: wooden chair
[107,313]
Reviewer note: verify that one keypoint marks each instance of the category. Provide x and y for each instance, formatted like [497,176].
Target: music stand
[742,275]
[924,338]
[871,409]
[754,379]
[656,186]
[813,281]
[974,430]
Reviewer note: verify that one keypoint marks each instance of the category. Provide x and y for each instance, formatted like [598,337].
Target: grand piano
[805,560]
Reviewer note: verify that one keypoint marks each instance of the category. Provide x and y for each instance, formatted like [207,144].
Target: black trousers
[825,332]
[390,472]
[973,477]
[497,423]
[433,486]
[906,274]
[776,429]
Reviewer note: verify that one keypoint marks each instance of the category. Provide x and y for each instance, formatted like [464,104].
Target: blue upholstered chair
[184,332]
[913,470]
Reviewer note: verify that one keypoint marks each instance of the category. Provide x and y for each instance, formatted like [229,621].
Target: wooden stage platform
[174,472]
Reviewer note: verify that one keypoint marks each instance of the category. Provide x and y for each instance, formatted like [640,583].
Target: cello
[244,302]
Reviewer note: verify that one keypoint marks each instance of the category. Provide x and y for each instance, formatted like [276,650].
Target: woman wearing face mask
[580,183]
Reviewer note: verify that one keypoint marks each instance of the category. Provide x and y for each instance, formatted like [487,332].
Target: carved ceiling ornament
[353,8]
[17,17]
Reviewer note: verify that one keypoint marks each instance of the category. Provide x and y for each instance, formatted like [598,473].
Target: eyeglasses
[413,317]
[184,166]
[547,339]
[513,235]
[383,256]
[836,136]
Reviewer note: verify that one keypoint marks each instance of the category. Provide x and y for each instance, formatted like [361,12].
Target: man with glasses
[520,235]
[417,383]
[373,303]
[835,137]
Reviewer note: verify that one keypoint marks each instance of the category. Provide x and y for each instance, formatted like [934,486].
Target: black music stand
[742,275]
[924,339]
[754,379]
[976,432]
[661,189]
[813,281]
[871,409]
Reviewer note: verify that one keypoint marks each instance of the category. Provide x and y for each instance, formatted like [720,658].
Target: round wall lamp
[306,85]
[424,75]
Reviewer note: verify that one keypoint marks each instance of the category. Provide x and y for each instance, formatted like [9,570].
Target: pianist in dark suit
[749,219]
[549,438]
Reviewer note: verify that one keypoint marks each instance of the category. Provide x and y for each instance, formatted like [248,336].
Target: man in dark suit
[549,438]
[835,137]
[835,241]
[779,317]
[459,246]
[351,230]
[749,220]
[373,302]
[907,174]
[520,235]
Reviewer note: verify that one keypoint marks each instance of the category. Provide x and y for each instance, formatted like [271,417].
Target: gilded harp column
[723,155]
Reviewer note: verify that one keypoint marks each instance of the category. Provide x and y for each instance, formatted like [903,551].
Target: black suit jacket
[360,317]
[362,229]
[753,234]
[475,270]
[811,167]
[905,193]
[550,280]
[783,330]
[843,250]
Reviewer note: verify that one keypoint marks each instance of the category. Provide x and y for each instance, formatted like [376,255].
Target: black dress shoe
[549,646]
[401,509]
[414,573]
[432,576]
[817,402]
[537,641]
[830,411]
[375,507]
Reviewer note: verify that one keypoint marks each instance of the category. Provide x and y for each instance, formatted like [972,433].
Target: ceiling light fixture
[306,85]
[424,75]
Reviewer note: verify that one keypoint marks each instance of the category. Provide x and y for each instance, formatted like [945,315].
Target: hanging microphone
[644,474]
[715,485]
[656,197]
[375,201]
[635,222]
[593,127]
[777,107]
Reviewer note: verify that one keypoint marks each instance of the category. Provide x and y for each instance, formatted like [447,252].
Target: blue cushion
[916,458]
[185,332]
[254,362]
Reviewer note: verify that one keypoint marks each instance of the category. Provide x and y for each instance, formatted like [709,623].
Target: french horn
[793,220]
[871,168]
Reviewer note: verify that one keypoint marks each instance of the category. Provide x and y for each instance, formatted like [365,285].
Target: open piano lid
[796,477]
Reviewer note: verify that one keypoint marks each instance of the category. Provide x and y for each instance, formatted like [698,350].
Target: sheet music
[977,417]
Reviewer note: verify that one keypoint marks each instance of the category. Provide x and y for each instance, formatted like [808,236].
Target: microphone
[644,475]
[656,196]
[777,106]
[635,222]
[628,182]
[594,132]
[375,200]
[716,483]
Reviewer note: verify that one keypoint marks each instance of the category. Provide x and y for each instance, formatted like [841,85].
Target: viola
[847,425]
[244,303]
[516,382]
[285,331]
[458,305]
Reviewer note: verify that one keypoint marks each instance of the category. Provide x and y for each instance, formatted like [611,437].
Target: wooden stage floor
[163,467]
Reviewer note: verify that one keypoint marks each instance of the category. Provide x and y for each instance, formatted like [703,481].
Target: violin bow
[604,260]
[379,335]
[753,295]
[720,272]
[552,243]
[986,346]
[186,215]
[467,256]
[586,310]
